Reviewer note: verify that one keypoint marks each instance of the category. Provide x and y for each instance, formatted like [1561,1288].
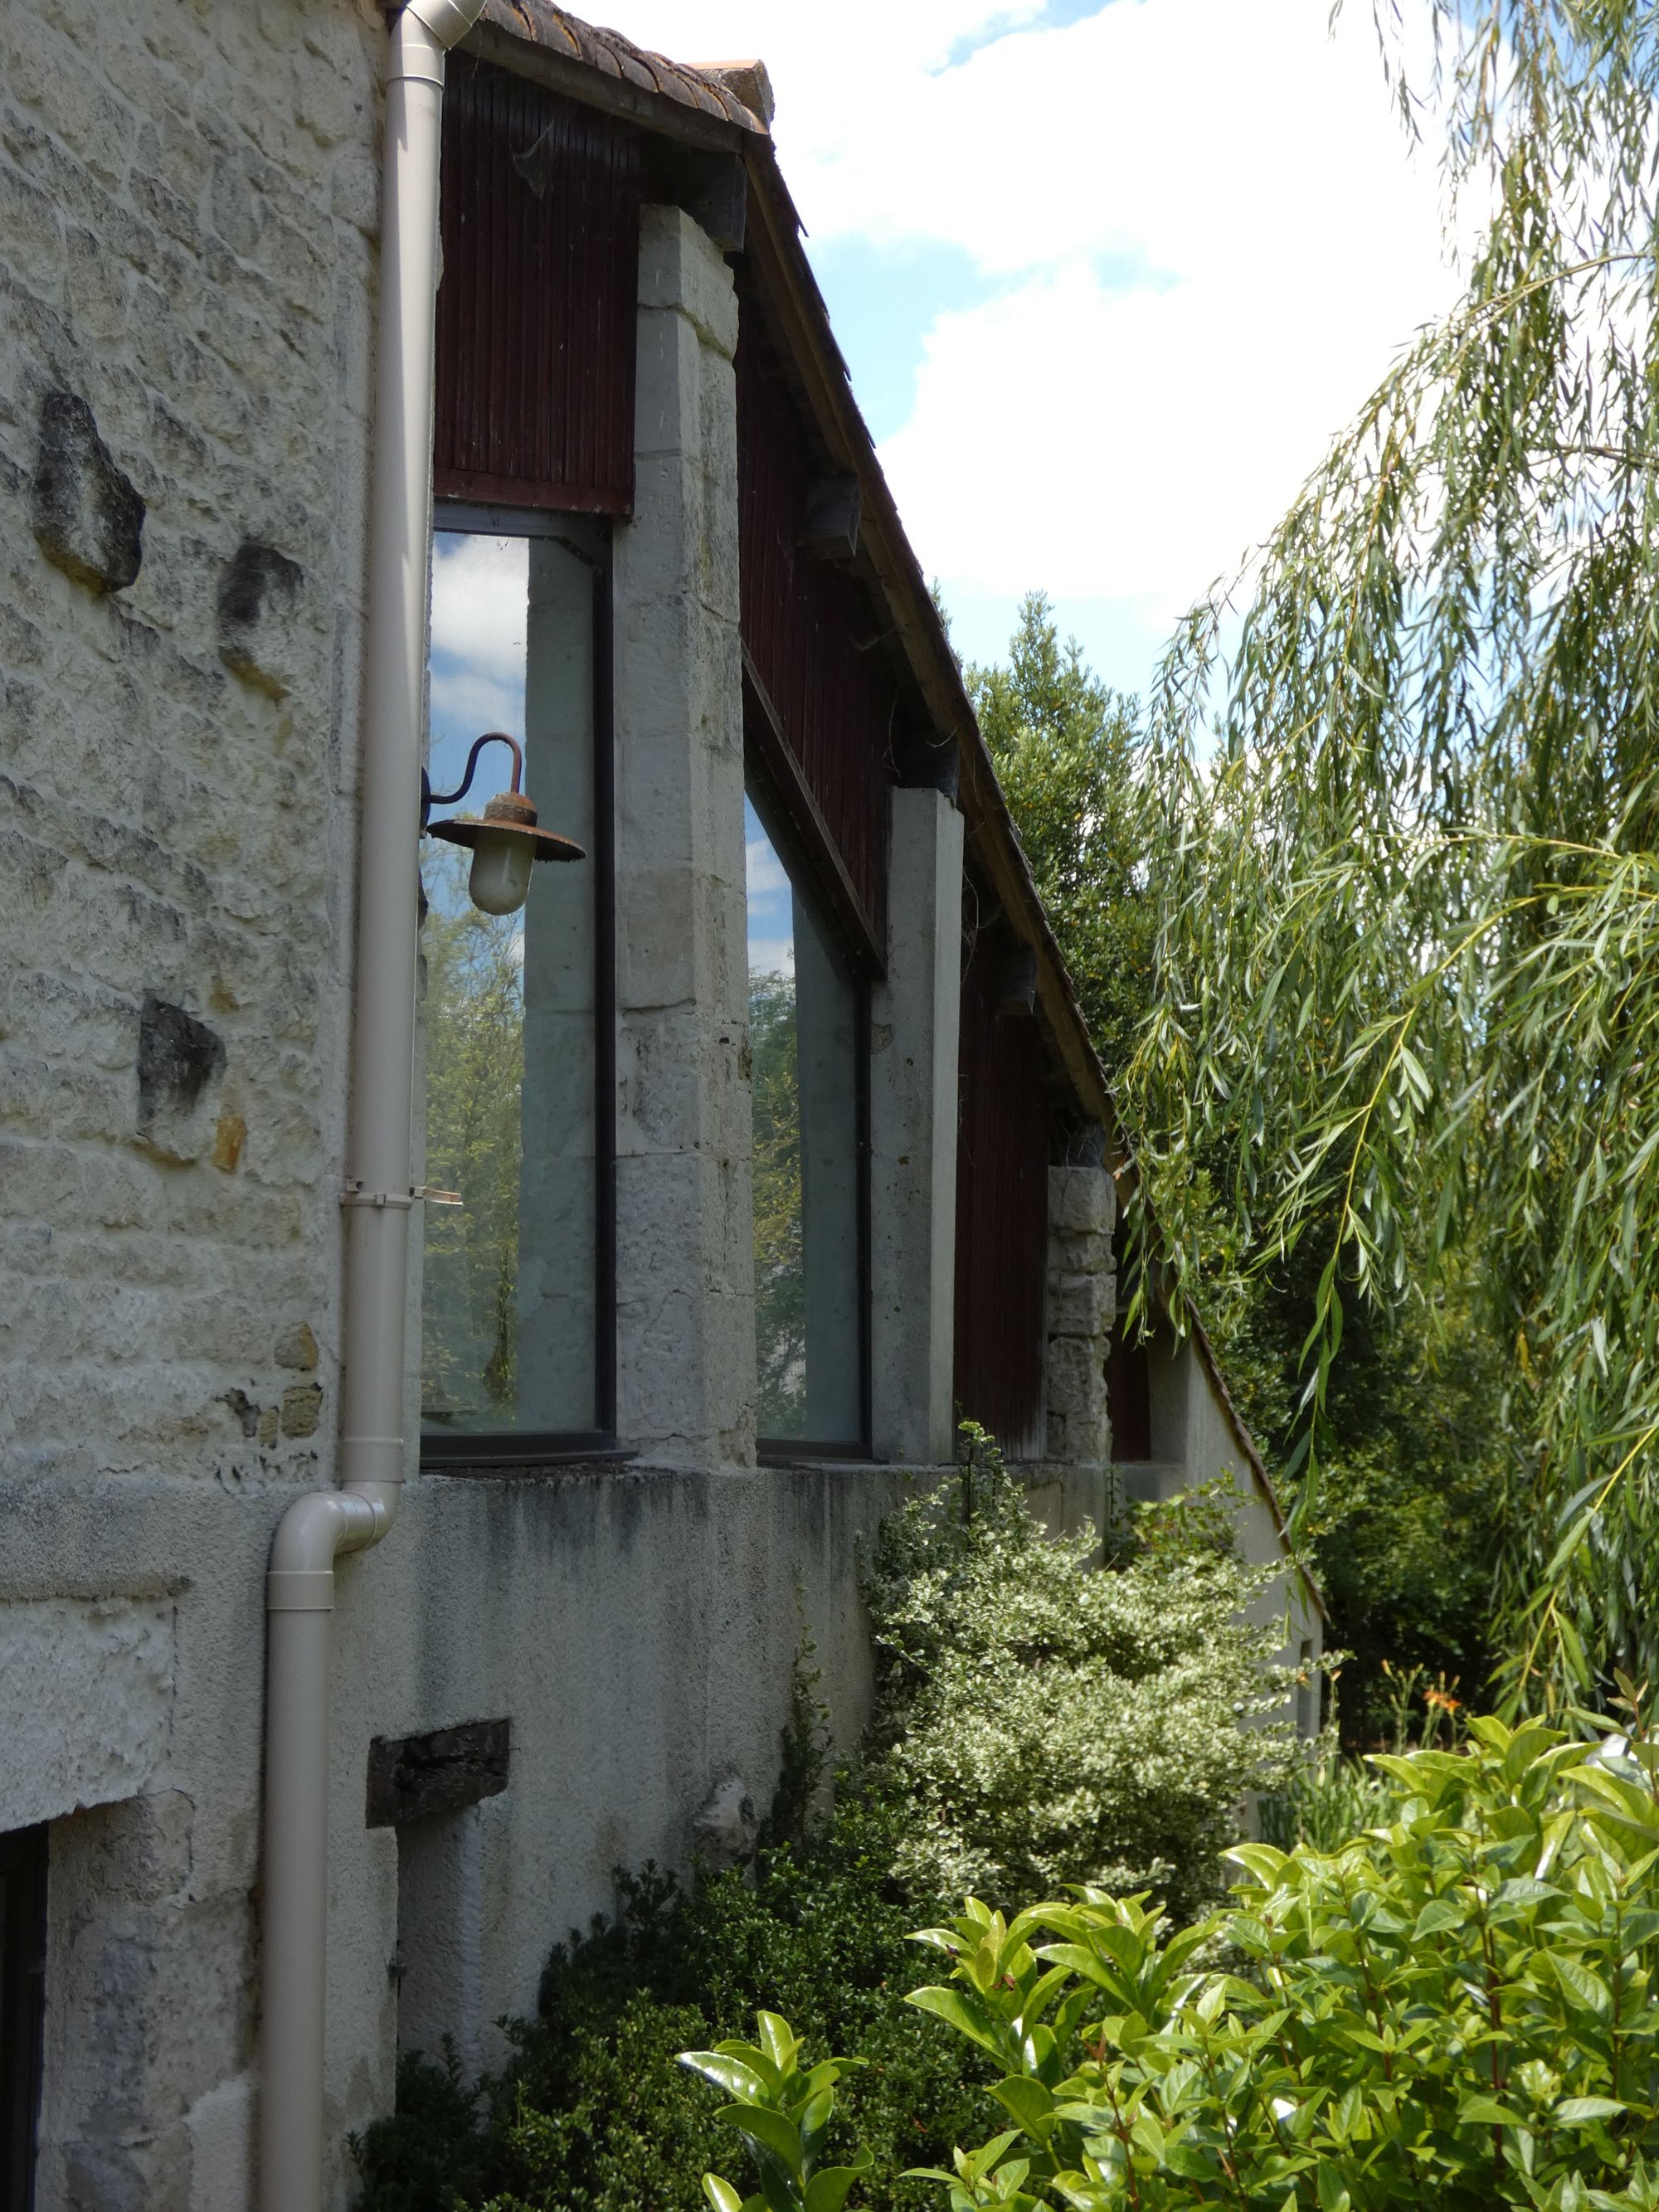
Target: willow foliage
[1406,830]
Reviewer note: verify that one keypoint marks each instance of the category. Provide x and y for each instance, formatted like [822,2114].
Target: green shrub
[783,2116]
[1328,1799]
[594,2113]
[1457,2010]
[1037,1723]
[1328,1796]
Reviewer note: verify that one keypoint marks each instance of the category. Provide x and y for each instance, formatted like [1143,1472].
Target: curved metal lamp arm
[429,798]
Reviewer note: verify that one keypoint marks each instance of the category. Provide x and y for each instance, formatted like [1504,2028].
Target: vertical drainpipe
[321,1525]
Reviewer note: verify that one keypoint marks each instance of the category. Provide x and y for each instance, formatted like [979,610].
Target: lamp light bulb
[501,861]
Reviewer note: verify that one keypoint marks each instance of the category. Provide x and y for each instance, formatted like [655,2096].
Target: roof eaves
[648,88]
[939,675]
[774,238]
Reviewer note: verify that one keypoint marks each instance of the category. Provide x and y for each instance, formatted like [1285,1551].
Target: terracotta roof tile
[542,24]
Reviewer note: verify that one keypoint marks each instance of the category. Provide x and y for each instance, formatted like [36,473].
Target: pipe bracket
[354,1194]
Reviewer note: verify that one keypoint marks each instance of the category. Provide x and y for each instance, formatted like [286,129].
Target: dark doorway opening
[22,2009]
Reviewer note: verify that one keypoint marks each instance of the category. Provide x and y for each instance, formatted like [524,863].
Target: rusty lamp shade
[506,843]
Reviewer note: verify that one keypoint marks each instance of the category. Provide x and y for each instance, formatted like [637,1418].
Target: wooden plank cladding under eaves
[537,313]
[812,639]
[1002,1217]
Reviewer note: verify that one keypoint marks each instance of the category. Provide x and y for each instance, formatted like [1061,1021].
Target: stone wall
[685,1282]
[187,258]
[188,226]
[1082,1304]
[187,243]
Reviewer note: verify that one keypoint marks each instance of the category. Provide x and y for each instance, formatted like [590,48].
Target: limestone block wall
[914,1022]
[187,237]
[188,276]
[186,257]
[685,1284]
[1082,1304]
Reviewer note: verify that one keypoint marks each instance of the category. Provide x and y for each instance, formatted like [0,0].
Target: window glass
[805,1030]
[509,1304]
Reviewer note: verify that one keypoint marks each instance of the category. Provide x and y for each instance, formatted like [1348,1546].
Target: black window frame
[24,1867]
[502,1450]
[763,793]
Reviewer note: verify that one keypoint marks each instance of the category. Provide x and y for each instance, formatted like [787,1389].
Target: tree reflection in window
[510,1312]
[806,1033]
[779,1272]
[474,1088]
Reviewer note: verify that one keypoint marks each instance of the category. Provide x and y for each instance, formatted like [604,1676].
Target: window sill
[508,1456]
[784,1451]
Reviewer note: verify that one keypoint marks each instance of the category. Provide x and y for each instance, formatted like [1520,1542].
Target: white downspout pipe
[320,1526]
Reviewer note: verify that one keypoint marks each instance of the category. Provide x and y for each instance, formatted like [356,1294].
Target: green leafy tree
[473,1027]
[1063,744]
[1403,1533]
[1404,844]
[780,1253]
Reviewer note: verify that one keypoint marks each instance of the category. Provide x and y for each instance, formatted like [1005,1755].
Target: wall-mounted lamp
[506,844]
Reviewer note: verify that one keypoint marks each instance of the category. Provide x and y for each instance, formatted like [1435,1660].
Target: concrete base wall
[637,1626]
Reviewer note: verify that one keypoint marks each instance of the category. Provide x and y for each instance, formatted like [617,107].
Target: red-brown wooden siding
[1002,1217]
[810,630]
[537,310]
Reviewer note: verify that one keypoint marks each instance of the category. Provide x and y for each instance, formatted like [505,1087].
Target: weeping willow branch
[1406,836]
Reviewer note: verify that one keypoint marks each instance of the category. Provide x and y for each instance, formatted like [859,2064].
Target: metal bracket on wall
[421,1194]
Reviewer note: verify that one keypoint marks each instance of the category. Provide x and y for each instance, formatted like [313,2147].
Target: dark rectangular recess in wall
[23,1854]
[412,1776]
[1129,1399]
[537,307]
[811,634]
[1002,1137]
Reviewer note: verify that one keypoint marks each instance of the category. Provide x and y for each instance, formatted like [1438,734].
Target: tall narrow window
[517,1335]
[22,1992]
[808,1027]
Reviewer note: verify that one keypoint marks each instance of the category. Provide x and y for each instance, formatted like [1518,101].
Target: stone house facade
[780,1142]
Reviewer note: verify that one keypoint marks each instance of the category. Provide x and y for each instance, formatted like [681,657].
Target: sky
[1109,274]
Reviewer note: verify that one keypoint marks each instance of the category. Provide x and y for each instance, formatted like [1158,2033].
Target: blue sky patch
[1054,17]
[883,301]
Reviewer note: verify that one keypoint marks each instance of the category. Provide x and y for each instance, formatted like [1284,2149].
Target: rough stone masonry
[187,220]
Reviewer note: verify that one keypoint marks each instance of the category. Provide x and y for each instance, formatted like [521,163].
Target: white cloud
[771,956]
[1205,235]
[480,590]
[478,702]
[764,872]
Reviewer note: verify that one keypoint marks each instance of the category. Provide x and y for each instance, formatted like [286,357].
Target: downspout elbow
[423,32]
[310,1536]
